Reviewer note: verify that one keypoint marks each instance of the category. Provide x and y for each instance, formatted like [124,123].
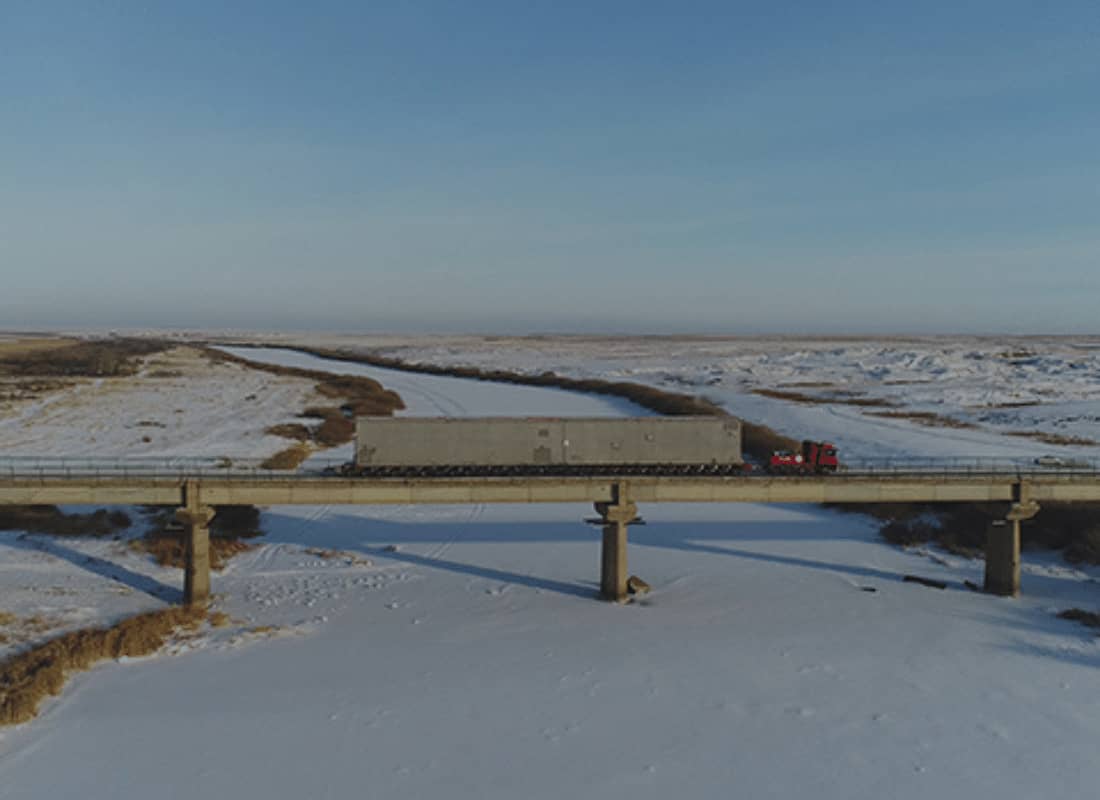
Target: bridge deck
[309,490]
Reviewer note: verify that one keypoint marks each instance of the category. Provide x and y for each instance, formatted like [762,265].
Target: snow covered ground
[458,652]
[180,404]
[997,385]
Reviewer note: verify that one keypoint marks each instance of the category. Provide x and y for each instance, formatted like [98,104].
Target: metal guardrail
[971,466]
[22,467]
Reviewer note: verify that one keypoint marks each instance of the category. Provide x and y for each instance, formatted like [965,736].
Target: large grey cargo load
[534,441]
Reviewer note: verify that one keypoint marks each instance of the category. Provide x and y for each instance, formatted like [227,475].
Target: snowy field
[179,404]
[458,651]
[995,386]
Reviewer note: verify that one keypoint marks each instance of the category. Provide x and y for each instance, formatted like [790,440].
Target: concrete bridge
[194,491]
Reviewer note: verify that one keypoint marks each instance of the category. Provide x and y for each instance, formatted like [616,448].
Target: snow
[468,659]
[980,381]
[181,403]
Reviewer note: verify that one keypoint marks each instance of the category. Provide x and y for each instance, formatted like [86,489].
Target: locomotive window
[544,432]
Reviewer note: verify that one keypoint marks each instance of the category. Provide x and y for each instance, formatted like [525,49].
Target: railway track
[22,468]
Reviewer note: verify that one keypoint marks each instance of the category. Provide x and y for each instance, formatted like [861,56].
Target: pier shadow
[52,545]
[586,591]
[380,539]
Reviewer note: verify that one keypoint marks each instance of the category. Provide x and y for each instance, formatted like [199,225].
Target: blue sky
[552,166]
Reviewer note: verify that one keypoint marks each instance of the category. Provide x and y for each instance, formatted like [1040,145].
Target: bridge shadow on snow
[373,535]
[52,545]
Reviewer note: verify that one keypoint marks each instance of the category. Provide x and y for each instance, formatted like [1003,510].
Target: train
[449,446]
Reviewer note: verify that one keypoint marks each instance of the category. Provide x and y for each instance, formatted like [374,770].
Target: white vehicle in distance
[1058,462]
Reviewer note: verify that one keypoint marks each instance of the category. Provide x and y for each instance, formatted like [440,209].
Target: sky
[599,166]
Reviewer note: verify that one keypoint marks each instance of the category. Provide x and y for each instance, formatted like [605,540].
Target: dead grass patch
[1054,438]
[100,358]
[842,399]
[168,551]
[291,430]
[927,418]
[28,678]
[336,429]
[24,346]
[19,389]
[219,619]
[323,553]
[54,521]
[1073,528]
[7,618]
[230,529]
[332,555]
[290,458]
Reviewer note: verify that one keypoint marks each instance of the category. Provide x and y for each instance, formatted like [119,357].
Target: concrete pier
[616,515]
[1002,545]
[1002,558]
[196,546]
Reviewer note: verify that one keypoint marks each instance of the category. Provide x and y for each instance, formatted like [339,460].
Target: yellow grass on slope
[27,678]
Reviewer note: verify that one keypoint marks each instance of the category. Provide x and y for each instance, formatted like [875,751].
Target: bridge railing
[970,466]
[24,467]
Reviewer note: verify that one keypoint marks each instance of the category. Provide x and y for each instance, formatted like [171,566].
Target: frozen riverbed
[978,397]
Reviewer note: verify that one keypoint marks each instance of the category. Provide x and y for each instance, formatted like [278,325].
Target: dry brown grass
[7,618]
[99,358]
[927,418]
[1073,528]
[331,555]
[335,430]
[1054,438]
[23,389]
[29,677]
[52,520]
[360,396]
[230,527]
[291,430]
[168,551]
[219,619]
[842,399]
[290,458]
[24,346]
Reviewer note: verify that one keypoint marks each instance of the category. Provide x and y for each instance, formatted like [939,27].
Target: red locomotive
[815,458]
